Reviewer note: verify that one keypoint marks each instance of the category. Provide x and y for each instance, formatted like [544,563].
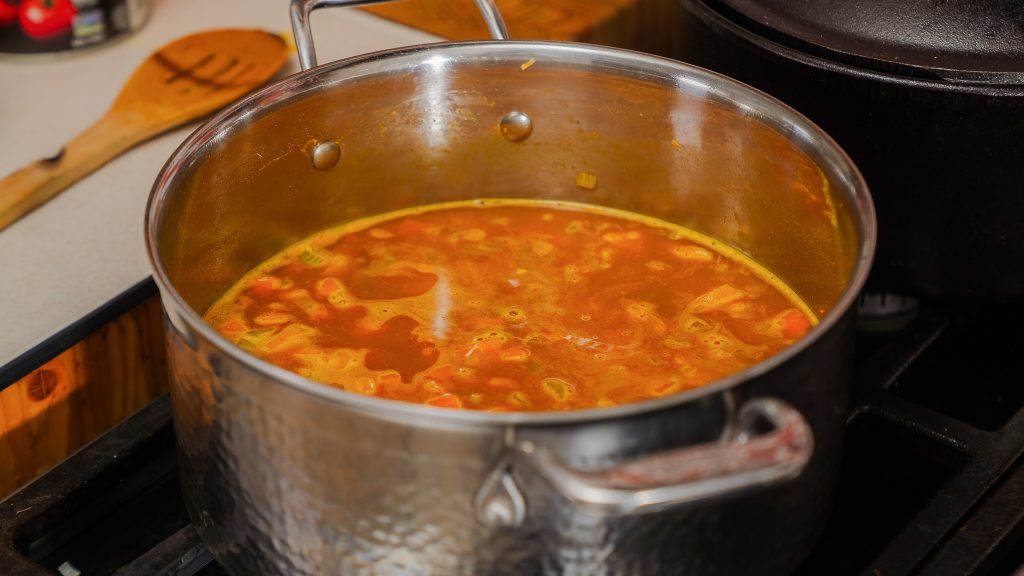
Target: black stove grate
[932,481]
[115,507]
[930,470]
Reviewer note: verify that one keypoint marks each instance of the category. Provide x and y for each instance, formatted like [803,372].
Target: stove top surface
[932,481]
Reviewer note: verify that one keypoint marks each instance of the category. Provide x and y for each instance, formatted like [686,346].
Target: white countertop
[85,247]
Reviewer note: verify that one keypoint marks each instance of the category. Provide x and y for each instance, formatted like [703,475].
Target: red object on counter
[45,18]
[8,12]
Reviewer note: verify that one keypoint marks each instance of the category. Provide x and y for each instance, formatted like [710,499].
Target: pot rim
[772,112]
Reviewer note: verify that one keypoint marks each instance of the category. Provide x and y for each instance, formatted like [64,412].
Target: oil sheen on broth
[506,305]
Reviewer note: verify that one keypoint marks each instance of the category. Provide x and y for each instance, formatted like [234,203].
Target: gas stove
[932,479]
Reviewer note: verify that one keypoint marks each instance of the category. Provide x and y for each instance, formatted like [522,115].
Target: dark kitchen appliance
[926,97]
[44,26]
[932,476]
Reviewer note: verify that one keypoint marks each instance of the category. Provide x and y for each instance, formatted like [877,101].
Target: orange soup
[506,305]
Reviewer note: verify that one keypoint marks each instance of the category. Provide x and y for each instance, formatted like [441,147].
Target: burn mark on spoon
[224,69]
[179,72]
[230,82]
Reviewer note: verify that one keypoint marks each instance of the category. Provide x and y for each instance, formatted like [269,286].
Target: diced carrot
[231,328]
[514,353]
[442,372]
[411,227]
[795,324]
[264,286]
[337,265]
[318,312]
[327,286]
[445,401]
[488,347]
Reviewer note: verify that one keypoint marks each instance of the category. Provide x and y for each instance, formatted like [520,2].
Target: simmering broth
[506,305]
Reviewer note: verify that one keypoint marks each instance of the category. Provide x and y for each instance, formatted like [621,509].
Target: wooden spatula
[186,79]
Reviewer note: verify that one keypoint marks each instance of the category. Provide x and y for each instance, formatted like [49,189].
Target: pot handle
[652,483]
[300,10]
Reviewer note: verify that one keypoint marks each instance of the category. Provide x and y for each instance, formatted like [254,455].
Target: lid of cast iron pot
[968,41]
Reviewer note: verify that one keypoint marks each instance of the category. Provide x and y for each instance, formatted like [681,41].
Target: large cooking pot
[282,475]
[927,98]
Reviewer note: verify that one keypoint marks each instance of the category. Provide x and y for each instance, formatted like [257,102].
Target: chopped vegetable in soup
[506,305]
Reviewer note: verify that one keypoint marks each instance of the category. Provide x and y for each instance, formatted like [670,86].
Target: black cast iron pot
[927,98]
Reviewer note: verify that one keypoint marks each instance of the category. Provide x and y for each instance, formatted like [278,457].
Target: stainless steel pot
[285,476]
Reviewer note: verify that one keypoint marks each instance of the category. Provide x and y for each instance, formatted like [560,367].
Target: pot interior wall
[422,127]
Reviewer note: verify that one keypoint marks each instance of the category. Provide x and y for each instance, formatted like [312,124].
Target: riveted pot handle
[300,10]
[652,483]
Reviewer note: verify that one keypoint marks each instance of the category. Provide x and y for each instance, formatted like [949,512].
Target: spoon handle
[34,184]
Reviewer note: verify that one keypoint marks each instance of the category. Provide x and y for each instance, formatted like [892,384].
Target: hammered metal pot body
[282,483]
[284,476]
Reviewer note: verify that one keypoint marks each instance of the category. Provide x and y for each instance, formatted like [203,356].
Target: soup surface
[508,305]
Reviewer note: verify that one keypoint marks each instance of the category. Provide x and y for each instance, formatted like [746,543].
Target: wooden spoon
[186,79]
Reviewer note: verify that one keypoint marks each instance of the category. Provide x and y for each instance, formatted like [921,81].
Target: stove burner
[932,482]
[879,313]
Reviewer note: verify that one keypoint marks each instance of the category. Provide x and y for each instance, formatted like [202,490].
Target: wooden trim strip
[81,393]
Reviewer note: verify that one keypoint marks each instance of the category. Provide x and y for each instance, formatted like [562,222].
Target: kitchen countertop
[85,247]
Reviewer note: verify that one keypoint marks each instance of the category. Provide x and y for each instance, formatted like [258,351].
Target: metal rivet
[326,155]
[499,503]
[516,126]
